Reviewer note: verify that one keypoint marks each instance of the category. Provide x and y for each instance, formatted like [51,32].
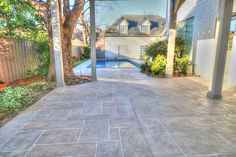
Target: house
[129,35]
[77,43]
[196,23]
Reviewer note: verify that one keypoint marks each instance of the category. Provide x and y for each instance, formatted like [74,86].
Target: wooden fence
[17,57]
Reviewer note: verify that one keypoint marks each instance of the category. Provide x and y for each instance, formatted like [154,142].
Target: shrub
[14,99]
[179,46]
[86,54]
[1,82]
[158,66]
[38,86]
[157,48]
[181,65]
[145,68]
[44,56]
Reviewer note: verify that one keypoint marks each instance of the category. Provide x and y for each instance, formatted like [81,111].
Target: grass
[78,62]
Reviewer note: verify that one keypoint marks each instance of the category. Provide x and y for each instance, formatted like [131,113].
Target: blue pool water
[114,64]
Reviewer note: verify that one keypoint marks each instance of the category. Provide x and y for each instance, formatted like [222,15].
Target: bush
[86,54]
[38,86]
[158,66]
[145,68]
[181,65]
[14,99]
[179,47]
[157,48]
[44,56]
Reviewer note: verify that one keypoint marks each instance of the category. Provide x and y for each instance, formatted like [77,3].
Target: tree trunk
[66,49]
[51,69]
[48,23]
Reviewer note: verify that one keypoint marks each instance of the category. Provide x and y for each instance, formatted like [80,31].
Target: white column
[170,53]
[56,32]
[221,42]
[171,28]
[93,40]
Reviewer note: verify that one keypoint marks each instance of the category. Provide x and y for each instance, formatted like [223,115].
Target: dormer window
[145,27]
[122,28]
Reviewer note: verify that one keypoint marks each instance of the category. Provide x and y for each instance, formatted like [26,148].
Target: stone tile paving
[125,114]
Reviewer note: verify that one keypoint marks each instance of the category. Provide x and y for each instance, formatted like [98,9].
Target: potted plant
[3,84]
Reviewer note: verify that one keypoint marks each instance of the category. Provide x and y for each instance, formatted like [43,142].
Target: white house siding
[205,14]
[133,43]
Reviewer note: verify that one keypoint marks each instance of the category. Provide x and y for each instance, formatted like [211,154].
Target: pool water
[114,64]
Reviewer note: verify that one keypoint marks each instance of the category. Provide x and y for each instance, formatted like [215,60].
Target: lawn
[78,62]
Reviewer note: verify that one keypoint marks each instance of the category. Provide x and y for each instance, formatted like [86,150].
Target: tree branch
[76,11]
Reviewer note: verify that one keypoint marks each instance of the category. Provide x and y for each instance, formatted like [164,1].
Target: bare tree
[84,17]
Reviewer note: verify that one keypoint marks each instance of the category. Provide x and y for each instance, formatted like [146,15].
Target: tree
[19,20]
[84,20]
[43,10]
[69,17]
[28,19]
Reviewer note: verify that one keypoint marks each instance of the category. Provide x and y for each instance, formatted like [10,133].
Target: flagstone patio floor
[125,114]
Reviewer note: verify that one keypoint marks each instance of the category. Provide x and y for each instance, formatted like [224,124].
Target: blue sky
[106,15]
[232,26]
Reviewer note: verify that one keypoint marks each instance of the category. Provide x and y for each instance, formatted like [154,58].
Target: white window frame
[142,52]
[145,29]
[123,29]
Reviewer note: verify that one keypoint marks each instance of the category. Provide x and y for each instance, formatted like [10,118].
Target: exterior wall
[134,46]
[77,48]
[100,48]
[232,63]
[205,15]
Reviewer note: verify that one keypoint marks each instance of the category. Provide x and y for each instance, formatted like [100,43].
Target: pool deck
[125,114]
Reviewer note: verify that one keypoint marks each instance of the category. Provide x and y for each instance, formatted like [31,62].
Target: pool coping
[83,69]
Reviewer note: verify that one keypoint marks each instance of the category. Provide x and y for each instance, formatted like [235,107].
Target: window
[123,29]
[145,29]
[185,31]
[142,52]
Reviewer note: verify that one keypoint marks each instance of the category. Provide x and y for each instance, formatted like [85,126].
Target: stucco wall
[205,15]
[134,44]
[232,64]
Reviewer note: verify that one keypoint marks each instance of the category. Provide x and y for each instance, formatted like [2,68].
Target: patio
[125,114]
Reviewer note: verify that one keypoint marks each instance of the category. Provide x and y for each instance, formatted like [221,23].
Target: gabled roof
[158,25]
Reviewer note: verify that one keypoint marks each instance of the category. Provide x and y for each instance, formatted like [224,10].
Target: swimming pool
[114,64]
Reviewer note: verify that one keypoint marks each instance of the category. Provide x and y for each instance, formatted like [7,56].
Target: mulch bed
[27,81]
[75,80]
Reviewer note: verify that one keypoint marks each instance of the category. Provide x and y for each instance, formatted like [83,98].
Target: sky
[109,13]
